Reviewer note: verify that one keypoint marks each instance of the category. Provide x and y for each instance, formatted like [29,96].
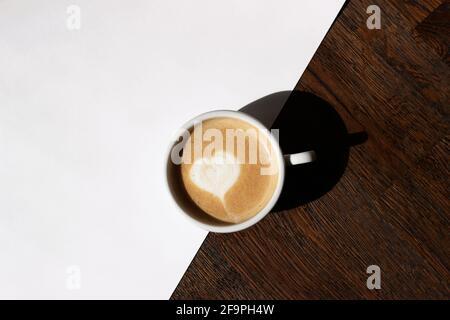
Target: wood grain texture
[391,207]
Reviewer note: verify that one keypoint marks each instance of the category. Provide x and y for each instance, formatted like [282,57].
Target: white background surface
[86,116]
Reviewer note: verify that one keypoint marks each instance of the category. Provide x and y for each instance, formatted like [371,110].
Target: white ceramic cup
[195,214]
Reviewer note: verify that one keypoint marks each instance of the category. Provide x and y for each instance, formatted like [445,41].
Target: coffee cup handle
[300,158]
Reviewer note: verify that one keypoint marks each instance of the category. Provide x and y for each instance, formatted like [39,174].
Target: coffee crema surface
[228,169]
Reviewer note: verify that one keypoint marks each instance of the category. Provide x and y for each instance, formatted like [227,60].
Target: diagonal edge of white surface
[85,118]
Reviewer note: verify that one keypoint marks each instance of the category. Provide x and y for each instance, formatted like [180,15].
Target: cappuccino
[228,168]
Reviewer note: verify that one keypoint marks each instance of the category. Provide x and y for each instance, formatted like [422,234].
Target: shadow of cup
[306,122]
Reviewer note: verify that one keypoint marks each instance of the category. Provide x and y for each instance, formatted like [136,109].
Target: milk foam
[216,174]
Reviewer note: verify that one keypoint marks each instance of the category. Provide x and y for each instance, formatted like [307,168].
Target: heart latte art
[228,183]
[215,175]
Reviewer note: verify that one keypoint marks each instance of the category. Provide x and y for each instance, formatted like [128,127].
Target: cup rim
[281,171]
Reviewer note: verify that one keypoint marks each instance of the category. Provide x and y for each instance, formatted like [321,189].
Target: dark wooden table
[391,205]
